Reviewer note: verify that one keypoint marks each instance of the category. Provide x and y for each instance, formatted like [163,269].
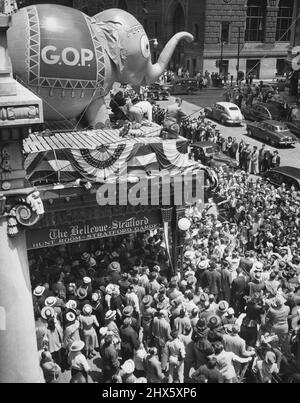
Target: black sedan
[288,175]
[273,132]
[264,111]
[294,126]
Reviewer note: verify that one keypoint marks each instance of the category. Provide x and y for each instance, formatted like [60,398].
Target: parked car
[184,86]
[209,153]
[274,132]
[260,111]
[294,126]
[158,92]
[288,175]
[225,113]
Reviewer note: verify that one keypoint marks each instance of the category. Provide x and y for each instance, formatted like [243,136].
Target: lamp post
[221,57]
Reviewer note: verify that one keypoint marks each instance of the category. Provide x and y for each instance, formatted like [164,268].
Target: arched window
[255,23]
[178,19]
[284,20]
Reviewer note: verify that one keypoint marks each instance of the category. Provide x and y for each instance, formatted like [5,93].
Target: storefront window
[255,25]
[284,20]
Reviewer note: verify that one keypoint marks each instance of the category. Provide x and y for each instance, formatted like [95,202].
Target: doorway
[253,67]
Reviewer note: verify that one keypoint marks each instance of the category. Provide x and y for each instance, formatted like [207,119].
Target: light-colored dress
[89,333]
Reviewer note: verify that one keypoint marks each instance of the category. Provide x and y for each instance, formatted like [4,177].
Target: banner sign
[89,230]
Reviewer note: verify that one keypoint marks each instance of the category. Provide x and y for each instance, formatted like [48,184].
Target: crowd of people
[231,314]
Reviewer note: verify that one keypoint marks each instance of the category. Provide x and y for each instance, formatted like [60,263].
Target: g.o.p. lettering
[68,56]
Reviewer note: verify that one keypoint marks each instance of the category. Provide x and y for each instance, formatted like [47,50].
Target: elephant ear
[108,32]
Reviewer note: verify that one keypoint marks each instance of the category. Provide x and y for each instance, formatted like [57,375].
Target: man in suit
[261,155]
[129,339]
[254,161]
[212,279]
[248,153]
[275,162]
[239,289]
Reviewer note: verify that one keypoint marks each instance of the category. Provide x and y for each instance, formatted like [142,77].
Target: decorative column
[167,215]
[19,207]
[177,237]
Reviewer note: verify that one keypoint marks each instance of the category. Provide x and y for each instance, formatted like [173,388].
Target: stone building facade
[257,30]
[260,28]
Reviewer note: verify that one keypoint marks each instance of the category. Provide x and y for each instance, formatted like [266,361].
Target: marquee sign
[92,229]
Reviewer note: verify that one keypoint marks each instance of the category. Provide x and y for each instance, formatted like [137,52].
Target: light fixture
[184,224]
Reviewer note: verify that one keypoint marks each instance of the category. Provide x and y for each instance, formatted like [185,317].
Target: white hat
[87,280]
[230,311]
[109,288]
[47,312]
[70,316]
[39,290]
[50,301]
[110,314]
[77,345]
[95,297]
[128,367]
[71,304]
[103,331]
[87,309]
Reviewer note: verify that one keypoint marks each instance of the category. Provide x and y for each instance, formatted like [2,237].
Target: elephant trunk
[156,70]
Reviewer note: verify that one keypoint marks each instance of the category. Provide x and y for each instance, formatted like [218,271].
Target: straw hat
[77,346]
[81,293]
[50,301]
[128,367]
[71,304]
[87,280]
[70,316]
[39,290]
[110,315]
[47,312]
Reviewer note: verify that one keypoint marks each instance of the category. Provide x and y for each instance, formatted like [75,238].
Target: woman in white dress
[87,323]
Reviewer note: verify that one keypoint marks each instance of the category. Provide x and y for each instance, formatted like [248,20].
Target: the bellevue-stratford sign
[105,227]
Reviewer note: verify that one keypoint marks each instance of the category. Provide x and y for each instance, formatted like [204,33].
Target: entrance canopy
[101,155]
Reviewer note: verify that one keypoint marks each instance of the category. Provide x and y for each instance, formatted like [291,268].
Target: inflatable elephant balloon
[72,61]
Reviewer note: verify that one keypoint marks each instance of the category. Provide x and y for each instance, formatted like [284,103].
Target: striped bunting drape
[135,156]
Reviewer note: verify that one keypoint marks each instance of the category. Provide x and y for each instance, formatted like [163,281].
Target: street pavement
[192,105]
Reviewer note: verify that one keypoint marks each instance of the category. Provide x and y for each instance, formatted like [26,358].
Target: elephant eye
[145,47]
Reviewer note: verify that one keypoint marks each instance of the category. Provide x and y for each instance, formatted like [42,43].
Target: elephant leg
[97,114]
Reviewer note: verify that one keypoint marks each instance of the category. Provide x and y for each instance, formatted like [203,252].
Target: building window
[284,20]
[255,23]
[122,4]
[225,31]
[280,67]
[196,32]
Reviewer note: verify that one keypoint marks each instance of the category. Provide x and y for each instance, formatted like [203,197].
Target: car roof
[287,170]
[274,122]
